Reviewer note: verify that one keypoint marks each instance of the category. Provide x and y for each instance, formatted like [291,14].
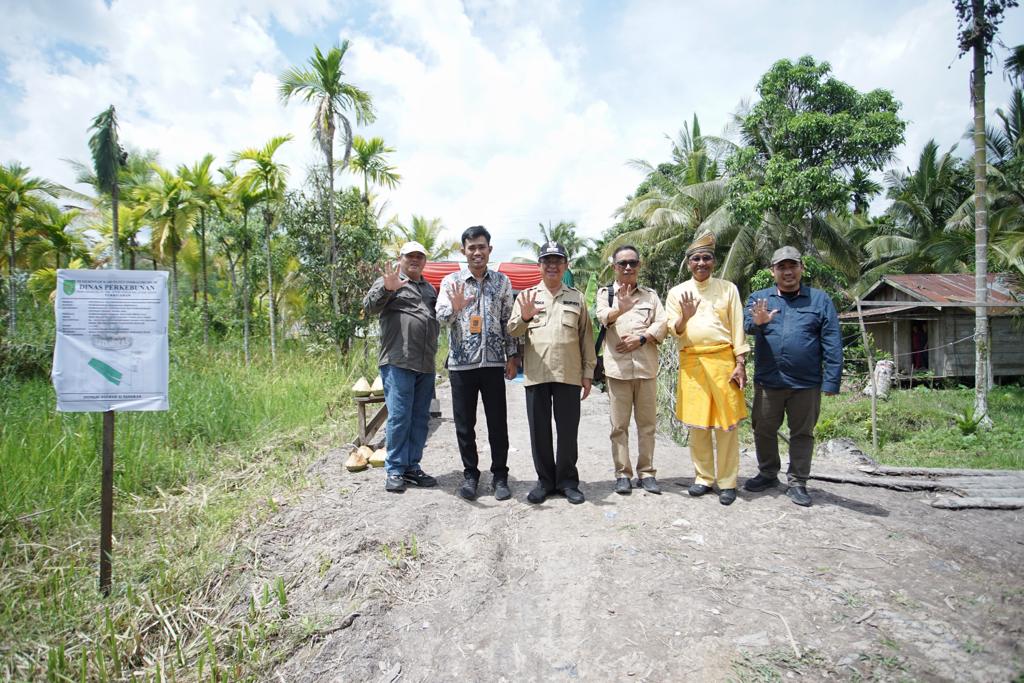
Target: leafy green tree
[322,85]
[862,190]
[426,231]
[803,140]
[108,156]
[979,22]
[268,179]
[20,195]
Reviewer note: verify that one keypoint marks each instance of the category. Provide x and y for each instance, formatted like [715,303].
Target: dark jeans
[800,407]
[489,383]
[554,473]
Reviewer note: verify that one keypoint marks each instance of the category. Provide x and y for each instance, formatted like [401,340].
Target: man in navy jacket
[798,354]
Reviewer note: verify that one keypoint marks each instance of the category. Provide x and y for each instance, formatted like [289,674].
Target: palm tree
[173,213]
[426,231]
[322,85]
[52,235]
[268,179]
[136,173]
[862,190]
[206,195]
[107,159]
[578,248]
[923,202]
[245,199]
[19,195]
[1014,65]
[370,163]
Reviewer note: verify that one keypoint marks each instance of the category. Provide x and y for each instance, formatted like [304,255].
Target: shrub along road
[426,586]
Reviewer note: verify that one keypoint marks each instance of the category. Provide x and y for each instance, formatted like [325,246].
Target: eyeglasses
[698,258]
[631,263]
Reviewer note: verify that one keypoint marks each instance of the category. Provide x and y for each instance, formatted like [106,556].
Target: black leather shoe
[468,488]
[394,483]
[420,478]
[727,496]
[574,496]
[537,495]
[650,484]
[799,495]
[622,486]
[501,489]
[760,482]
[698,489]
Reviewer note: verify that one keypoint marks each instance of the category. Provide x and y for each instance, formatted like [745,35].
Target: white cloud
[507,113]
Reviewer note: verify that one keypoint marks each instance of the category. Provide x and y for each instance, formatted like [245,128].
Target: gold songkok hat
[705,242]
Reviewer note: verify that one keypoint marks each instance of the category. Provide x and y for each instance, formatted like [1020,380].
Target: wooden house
[936,337]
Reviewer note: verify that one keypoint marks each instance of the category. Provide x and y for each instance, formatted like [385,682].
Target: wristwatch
[643,340]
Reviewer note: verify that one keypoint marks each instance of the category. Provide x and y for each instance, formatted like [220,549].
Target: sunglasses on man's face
[630,263]
[698,258]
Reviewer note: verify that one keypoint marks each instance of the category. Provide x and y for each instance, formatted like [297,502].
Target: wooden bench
[367,430]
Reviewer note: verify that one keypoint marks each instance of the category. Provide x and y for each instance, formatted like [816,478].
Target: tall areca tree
[107,159]
[322,85]
[243,198]
[426,231]
[369,162]
[268,179]
[173,214]
[206,195]
[20,194]
[52,237]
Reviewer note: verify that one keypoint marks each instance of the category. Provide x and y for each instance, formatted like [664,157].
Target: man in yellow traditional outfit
[705,315]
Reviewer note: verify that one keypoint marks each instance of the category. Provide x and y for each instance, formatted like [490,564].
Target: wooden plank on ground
[895,483]
[935,471]
[949,503]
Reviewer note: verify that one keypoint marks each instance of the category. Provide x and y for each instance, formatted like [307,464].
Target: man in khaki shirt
[558,360]
[636,323]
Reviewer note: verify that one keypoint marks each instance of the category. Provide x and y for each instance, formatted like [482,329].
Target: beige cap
[785,254]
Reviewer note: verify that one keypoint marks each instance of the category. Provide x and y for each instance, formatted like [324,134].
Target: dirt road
[867,584]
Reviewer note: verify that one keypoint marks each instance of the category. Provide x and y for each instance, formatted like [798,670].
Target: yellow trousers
[727,444]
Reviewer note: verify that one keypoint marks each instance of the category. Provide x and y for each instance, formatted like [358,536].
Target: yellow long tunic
[708,346]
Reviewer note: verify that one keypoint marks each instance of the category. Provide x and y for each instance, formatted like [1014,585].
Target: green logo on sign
[69,287]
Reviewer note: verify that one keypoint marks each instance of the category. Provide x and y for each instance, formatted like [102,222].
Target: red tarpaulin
[522,275]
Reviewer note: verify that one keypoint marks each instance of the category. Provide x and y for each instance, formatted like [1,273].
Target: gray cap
[785,254]
[552,249]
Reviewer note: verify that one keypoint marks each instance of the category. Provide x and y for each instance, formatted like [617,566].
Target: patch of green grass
[188,482]
[924,427]
[777,665]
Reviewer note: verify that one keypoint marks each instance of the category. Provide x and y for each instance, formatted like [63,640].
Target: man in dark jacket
[798,354]
[408,344]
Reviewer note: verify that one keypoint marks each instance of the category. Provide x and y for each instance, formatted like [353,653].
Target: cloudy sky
[508,113]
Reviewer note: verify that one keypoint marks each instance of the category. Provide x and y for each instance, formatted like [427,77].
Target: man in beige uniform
[558,360]
[636,324]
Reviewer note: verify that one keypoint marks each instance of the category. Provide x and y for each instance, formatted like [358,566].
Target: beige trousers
[638,397]
[727,444]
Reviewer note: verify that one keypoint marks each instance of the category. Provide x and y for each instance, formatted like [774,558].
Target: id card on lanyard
[476,321]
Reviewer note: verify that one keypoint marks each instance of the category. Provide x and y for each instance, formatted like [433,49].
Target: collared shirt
[559,339]
[719,316]
[492,301]
[408,326]
[790,350]
[647,318]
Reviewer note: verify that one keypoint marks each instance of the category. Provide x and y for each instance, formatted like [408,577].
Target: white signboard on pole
[111,351]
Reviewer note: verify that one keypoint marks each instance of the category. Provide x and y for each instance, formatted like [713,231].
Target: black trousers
[489,384]
[800,407]
[554,473]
